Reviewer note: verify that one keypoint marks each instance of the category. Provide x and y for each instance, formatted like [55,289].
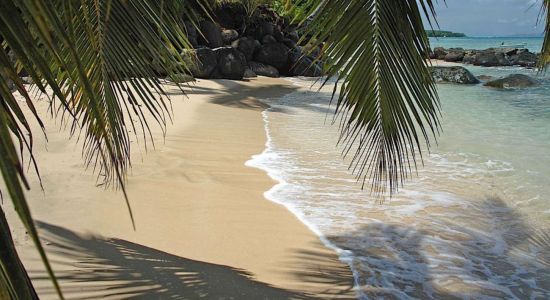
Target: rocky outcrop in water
[491,57]
[459,75]
[513,81]
[485,78]
[236,46]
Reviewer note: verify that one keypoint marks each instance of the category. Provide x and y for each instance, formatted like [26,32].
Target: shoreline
[200,213]
[255,162]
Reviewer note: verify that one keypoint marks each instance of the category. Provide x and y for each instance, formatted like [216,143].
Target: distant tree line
[442,33]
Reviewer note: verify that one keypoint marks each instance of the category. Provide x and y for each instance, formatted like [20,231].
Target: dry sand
[442,63]
[204,228]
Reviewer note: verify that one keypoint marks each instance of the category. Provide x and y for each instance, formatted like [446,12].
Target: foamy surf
[262,162]
[463,227]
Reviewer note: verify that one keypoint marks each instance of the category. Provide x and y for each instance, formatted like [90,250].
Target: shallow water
[534,44]
[474,221]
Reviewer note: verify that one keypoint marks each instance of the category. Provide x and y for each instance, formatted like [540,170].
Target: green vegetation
[293,10]
[442,33]
[100,60]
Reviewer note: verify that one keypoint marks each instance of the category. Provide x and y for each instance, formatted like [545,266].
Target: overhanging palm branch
[100,60]
[385,97]
[386,100]
[545,53]
[96,58]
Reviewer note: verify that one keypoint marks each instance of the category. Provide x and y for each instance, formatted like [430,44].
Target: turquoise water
[474,223]
[533,44]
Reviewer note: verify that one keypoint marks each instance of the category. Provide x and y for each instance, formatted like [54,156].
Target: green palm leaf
[545,52]
[101,60]
[386,99]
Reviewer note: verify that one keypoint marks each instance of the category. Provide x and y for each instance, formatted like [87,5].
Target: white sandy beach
[204,228]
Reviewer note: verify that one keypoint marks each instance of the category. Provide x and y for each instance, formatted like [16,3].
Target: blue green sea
[474,223]
[534,44]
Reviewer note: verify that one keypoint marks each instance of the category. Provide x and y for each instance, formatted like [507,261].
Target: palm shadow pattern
[393,261]
[237,94]
[91,267]
[390,261]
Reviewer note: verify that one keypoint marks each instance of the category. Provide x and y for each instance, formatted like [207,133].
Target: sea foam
[458,228]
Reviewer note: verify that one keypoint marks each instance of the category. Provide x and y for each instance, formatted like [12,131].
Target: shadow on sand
[92,267]
[231,93]
[391,258]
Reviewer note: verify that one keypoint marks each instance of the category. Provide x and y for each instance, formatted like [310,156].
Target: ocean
[534,44]
[472,224]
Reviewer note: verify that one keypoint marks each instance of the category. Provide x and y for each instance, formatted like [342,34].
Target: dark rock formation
[455,55]
[207,62]
[524,59]
[456,74]
[293,35]
[469,57]
[491,57]
[513,81]
[230,15]
[269,39]
[247,46]
[275,54]
[313,52]
[439,53]
[260,45]
[211,35]
[261,29]
[231,63]
[289,43]
[263,69]
[229,35]
[191,33]
[301,65]
[278,35]
[248,73]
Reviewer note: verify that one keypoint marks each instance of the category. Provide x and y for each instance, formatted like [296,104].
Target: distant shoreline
[490,37]
[443,33]
[533,44]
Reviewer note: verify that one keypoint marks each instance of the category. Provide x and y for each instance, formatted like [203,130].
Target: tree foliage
[99,59]
[386,100]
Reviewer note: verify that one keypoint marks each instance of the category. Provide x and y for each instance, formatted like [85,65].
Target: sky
[490,17]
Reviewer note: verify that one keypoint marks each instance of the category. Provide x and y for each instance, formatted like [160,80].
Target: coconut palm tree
[100,60]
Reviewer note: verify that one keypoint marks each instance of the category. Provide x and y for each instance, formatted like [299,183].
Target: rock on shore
[491,57]
[513,81]
[235,46]
[456,74]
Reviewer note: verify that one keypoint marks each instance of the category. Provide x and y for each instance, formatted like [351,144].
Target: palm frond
[386,99]
[545,51]
[101,60]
